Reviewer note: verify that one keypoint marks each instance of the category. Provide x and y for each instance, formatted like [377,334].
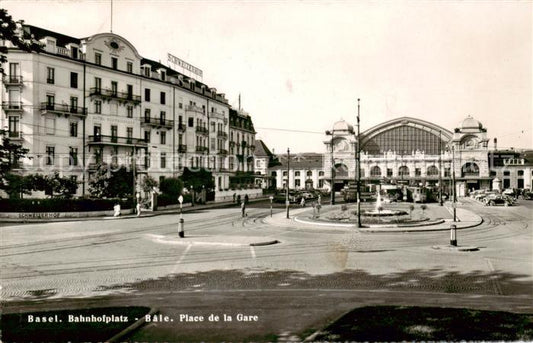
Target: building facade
[83,102]
[301,171]
[412,152]
[241,141]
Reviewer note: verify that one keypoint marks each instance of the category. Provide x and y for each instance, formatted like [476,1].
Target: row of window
[519,173]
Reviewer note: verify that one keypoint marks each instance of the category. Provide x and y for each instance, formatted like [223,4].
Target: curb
[264,243]
[140,322]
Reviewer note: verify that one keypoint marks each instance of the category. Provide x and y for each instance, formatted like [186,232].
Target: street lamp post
[288,178]
[358,162]
[440,169]
[454,204]
[332,184]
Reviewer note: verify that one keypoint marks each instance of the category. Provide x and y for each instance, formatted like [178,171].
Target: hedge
[62,205]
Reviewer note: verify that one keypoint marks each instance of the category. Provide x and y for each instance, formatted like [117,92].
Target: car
[509,192]
[527,195]
[493,200]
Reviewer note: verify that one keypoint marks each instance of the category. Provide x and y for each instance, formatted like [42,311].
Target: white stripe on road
[181,258]
[252,251]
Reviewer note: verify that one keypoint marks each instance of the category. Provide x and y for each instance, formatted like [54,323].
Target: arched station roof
[405,135]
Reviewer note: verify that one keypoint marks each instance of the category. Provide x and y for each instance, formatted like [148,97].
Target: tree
[111,184]
[9,31]
[173,187]
[197,179]
[148,184]
[10,155]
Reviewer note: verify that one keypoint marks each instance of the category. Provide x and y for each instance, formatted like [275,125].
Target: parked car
[527,195]
[493,200]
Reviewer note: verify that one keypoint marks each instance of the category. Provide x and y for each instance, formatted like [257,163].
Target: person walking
[302,203]
[243,209]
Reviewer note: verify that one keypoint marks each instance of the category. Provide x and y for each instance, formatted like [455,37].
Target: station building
[81,102]
[415,152]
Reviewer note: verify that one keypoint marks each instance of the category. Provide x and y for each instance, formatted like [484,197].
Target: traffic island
[459,248]
[219,240]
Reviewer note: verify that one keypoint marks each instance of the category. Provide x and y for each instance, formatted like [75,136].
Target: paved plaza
[269,266]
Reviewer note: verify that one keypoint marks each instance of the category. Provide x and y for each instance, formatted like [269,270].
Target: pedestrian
[234,196]
[319,199]
[116,210]
[243,209]
[302,203]
[138,209]
[246,198]
[238,199]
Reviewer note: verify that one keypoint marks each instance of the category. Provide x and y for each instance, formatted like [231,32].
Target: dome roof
[342,125]
[470,123]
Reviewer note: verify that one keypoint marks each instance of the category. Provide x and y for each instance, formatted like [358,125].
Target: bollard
[453,235]
[180,228]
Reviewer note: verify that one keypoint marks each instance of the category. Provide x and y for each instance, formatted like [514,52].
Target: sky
[300,66]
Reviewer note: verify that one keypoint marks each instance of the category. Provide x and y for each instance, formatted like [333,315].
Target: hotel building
[85,101]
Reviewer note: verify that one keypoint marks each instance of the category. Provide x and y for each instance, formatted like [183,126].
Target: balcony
[222,134]
[63,109]
[252,148]
[201,149]
[102,140]
[222,152]
[12,80]
[157,122]
[15,135]
[182,127]
[202,130]
[231,144]
[216,115]
[182,148]
[109,94]
[194,108]
[12,106]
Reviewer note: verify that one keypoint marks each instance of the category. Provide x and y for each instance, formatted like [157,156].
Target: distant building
[513,169]
[409,151]
[264,159]
[306,171]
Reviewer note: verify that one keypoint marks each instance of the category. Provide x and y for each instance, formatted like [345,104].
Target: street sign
[180,199]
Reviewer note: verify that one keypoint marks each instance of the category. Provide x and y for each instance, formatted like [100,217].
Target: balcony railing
[12,80]
[202,130]
[116,140]
[216,115]
[112,94]
[201,149]
[15,135]
[64,109]
[182,148]
[222,152]
[12,106]
[193,108]
[158,122]
[182,127]
[222,134]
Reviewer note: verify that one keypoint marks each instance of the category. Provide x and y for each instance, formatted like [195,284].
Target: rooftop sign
[176,62]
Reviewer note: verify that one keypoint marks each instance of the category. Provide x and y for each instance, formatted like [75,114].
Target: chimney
[495,143]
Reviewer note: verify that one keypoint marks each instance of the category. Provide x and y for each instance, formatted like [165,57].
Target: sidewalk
[303,218]
[144,213]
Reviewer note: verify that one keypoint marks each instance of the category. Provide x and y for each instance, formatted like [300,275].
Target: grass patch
[398,323]
[62,326]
